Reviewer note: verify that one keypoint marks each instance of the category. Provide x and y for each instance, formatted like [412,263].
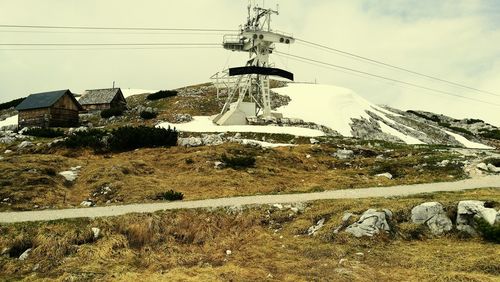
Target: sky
[456,40]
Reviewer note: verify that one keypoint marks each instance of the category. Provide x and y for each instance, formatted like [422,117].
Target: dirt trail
[374,192]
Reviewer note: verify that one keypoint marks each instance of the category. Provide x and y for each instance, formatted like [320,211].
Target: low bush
[170,196]
[490,233]
[434,118]
[123,139]
[454,128]
[492,134]
[238,161]
[148,115]
[162,94]
[11,104]
[114,112]
[474,121]
[92,138]
[130,138]
[44,132]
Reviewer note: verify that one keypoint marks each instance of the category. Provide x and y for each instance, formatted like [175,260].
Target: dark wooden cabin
[49,109]
[103,99]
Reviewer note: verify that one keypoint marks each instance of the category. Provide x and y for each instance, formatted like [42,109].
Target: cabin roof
[43,100]
[100,96]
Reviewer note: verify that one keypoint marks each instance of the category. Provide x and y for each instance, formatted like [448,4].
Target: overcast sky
[457,40]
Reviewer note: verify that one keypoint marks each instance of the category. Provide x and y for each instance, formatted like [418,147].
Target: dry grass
[266,244]
[138,176]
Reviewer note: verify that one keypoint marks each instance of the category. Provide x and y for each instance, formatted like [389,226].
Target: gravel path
[406,190]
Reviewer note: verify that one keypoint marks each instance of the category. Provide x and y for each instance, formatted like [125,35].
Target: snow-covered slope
[349,114]
[131,92]
[327,105]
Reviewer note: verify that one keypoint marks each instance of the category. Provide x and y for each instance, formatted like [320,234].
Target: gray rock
[183,118]
[469,210]
[213,140]
[87,203]
[386,175]
[190,142]
[8,152]
[25,144]
[7,140]
[494,169]
[314,141]
[96,231]
[315,228]
[25,255]
[370,223]
[482,166]
[344,154]
[432,214]
[219,165]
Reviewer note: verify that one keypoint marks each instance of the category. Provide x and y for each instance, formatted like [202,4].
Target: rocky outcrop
[371,223]
[468,211]
[370,130]
[205,140]
[433,215]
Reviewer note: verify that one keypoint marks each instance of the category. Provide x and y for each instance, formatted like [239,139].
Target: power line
[386,78]
[110,44]
[110,48]
[395,67]
[115,28]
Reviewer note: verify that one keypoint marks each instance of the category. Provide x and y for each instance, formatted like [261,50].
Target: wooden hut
[103,99]
[49,109]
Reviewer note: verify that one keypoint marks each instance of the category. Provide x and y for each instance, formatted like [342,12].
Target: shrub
[162,94]
[11,104]
[44,132]
[130,138]
[148,115]
[114,112]
[492,134]
[431,118]
[238,161]
[489,232]
[87,139]
[123,138]
[170,196]
[473,121]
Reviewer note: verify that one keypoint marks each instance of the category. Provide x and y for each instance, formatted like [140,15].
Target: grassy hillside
[251,244]
[32,180]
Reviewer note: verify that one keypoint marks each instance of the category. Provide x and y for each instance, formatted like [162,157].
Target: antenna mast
[250,95]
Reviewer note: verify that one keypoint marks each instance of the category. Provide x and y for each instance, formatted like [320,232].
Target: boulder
[190,142]
[213,140]
[433,215]
[313,229]
[25,255]
[469,210]
[96,231]
[7,140]
[386,175]
[25,144]
[482,166]
[493,168]
[370,223]
[344,154]
[87,203]
[8,152]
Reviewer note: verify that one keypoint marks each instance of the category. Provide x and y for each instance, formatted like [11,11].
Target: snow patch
[467,143]
[9,121]
[131,92]
[205,125]
[407,139]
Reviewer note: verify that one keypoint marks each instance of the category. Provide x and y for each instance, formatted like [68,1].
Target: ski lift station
[248,87]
